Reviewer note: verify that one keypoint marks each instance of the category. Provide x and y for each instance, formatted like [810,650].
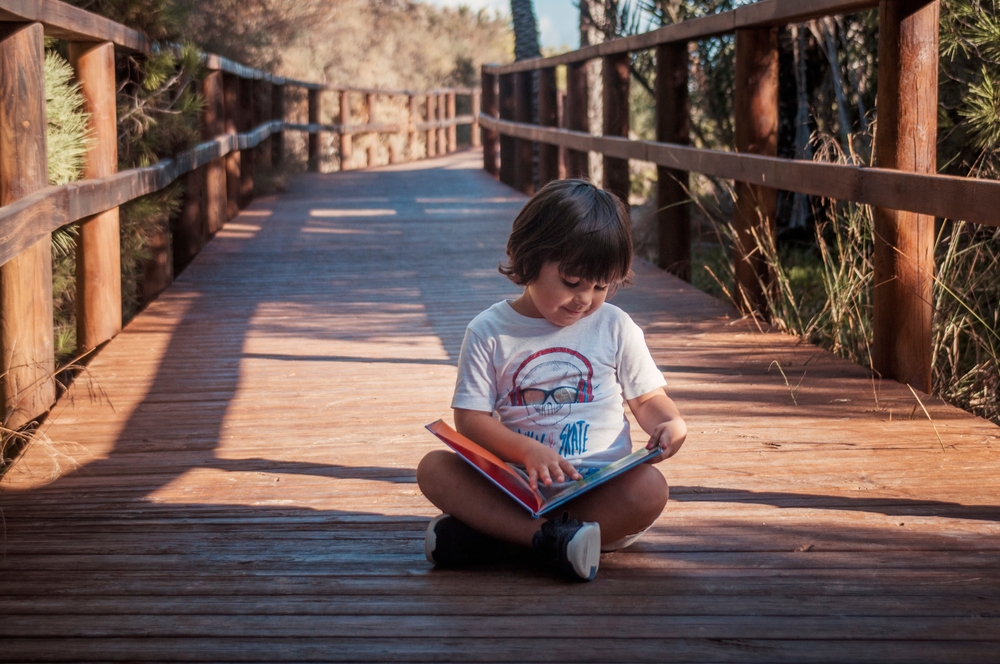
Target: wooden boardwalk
[233,478]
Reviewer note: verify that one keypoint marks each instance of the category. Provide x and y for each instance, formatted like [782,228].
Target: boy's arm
[658,416]
[540,462]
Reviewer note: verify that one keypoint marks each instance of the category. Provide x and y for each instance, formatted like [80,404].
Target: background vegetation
[827,112]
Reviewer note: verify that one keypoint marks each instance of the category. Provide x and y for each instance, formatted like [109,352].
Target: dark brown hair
[587,230]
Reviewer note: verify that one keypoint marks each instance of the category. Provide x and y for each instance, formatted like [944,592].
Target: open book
[514,482]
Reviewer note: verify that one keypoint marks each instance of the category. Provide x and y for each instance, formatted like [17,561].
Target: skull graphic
[549,382]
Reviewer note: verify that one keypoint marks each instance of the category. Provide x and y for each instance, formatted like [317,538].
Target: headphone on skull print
[584,387]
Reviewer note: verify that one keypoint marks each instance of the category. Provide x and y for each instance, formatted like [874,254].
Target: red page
[489,465]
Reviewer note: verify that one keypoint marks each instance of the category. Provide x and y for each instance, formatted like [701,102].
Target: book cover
[514,482]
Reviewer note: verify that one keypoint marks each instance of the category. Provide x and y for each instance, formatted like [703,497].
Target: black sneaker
[451,543]
[574,547]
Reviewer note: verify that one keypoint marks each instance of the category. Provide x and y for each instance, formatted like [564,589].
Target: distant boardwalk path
[233,480]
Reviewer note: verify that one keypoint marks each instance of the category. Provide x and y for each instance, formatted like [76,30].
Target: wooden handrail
[905,190]
[970,199]
[245,104]
[761,14]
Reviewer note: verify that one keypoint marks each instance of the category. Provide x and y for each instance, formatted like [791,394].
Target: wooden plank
[755,132]
[27,388]
[673,218]
[388,648]
[903,257]
[763,14]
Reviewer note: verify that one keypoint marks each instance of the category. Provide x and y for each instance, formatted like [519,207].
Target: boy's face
[563,299]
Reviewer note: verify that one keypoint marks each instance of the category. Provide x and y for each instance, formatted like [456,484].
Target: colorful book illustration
[514,482]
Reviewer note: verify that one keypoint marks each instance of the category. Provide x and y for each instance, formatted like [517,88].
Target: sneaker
[574,547]
[451,543]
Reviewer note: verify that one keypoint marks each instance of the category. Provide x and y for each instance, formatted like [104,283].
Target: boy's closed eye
[574,284]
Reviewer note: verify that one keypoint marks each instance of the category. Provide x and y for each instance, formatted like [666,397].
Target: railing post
[548,116]
[756,132]
[98,245]
[452,129]
[442,114]
[474,138]
[491,139]
[413,104]
[907,141]
[575,118]
[262,114]
[616,71]
[234,161]
[346,137]
[561,115]
[507,143]
[214,125]
[370,100]
[278,113]
[314,113]
[524,159]
[431,131]
[246,116]
[27,364]
[672,193]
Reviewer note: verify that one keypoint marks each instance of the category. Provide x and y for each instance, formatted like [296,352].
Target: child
[555,365]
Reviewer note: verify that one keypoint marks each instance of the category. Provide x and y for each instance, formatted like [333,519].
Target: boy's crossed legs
[623,506]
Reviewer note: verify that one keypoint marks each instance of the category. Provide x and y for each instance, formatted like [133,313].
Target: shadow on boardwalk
[236,481]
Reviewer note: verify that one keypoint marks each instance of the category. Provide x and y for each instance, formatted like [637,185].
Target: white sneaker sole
[430,539]
[584,551]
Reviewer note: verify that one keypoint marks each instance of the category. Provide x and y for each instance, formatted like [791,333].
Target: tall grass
[823,294]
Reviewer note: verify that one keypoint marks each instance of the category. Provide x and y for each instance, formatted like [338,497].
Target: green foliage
[160,20]
[66,136]
[158,107]
[141,221]
[67,142]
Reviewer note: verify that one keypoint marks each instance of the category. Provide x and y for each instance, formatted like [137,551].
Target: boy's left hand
[668,436]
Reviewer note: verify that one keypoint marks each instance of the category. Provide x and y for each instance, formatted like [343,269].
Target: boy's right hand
[543,464]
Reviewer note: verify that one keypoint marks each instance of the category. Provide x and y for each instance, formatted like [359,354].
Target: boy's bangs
[602,255]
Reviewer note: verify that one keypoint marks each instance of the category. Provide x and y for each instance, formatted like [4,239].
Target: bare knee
[432,473]
[646,494]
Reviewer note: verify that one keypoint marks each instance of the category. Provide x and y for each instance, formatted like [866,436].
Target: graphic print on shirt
[547,385]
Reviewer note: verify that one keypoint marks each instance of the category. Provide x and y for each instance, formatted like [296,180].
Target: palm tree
[525,30]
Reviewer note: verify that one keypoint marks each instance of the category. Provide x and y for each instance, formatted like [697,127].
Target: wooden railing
[907,192]
[244,120]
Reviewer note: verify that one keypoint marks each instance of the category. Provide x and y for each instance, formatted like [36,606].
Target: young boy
[542,382]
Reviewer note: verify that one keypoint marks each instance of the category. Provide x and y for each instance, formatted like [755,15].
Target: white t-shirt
[562,386]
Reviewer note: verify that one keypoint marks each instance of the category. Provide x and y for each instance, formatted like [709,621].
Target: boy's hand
[668,436]
[544,465]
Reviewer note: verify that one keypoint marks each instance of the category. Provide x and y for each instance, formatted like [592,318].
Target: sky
[558,20]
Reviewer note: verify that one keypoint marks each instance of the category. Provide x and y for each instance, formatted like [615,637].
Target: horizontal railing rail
[243,122]
[758,15]
[970,199]
[522,117]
